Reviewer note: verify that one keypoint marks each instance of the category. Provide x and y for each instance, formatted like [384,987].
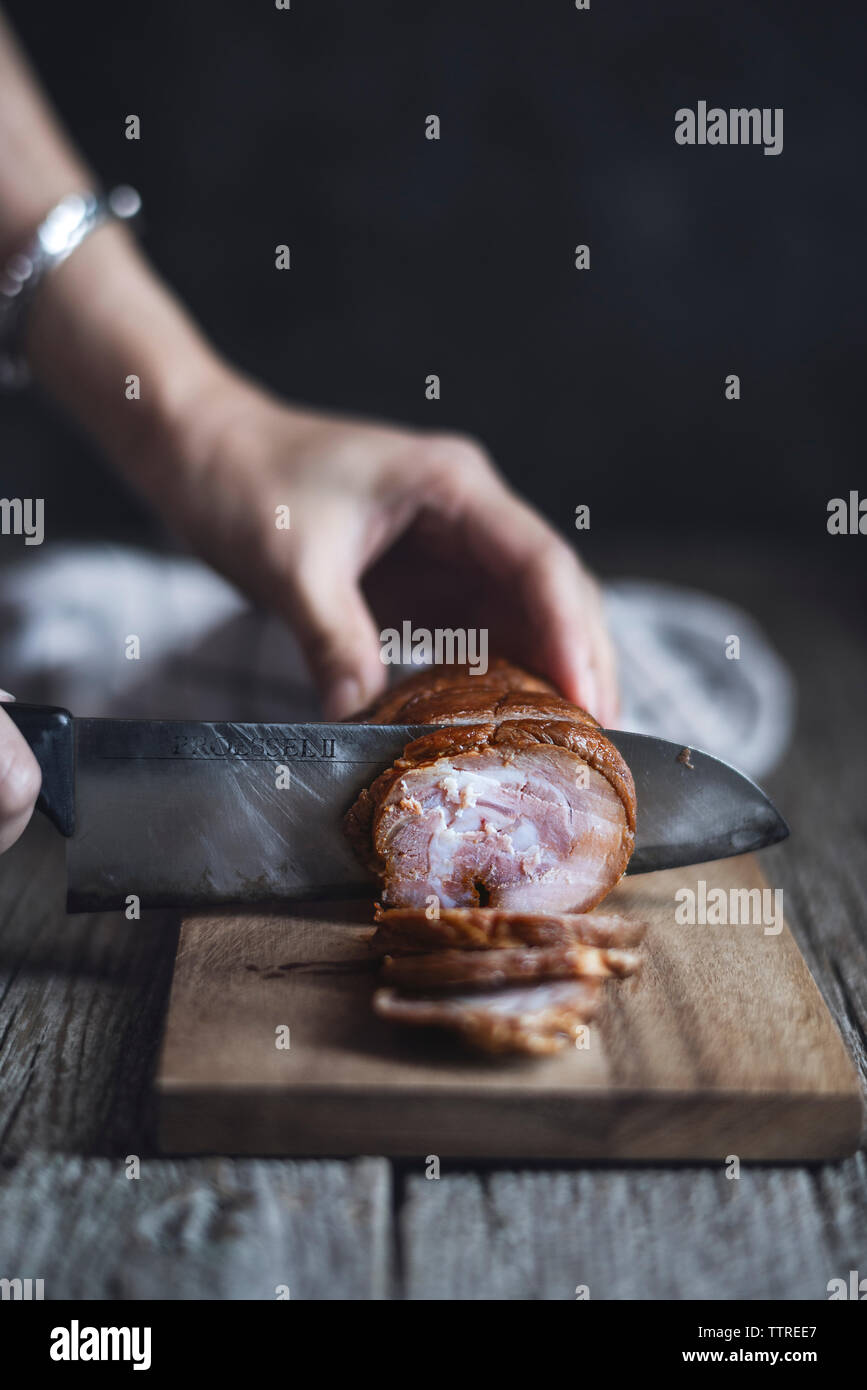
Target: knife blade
[692,807]
[186,814]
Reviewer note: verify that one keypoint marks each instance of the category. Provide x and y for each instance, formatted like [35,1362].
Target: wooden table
[81,1007]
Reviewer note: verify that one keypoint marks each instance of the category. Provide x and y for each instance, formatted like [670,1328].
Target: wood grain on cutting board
[722,1045]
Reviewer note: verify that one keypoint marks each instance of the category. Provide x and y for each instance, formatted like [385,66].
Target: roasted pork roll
[519,802]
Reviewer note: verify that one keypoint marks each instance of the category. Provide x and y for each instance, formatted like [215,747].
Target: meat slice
[529,815]
[511,818]
[518,965]
[540,1018]
[406,930]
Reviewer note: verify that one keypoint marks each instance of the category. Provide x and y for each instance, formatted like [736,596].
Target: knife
[185,814]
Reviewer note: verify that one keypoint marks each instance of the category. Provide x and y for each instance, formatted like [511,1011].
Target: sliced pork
[536,1019]
[518,965]
[532,810]
[405,930]
[493,836]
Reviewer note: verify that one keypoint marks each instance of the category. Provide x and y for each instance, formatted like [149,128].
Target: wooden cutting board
[722,1046]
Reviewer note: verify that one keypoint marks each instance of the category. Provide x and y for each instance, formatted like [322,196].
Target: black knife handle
[49,732]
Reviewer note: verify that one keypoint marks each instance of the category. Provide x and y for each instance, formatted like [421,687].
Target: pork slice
[524,828]
[493,969]
[406,930]
[541,1018]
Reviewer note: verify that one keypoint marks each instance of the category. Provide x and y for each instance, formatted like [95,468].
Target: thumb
[20,780]
[339,639]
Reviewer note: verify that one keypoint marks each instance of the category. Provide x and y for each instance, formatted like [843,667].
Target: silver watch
[66,226]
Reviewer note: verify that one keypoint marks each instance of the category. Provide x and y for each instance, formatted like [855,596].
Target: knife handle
[49,732]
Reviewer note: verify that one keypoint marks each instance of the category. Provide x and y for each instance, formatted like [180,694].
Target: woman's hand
[385,525]
[20,780]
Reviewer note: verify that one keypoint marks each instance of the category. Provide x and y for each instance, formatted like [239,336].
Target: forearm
[38,166]
[103,315]
[101,318]
[226,463]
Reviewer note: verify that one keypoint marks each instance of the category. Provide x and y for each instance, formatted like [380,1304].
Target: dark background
[410,256]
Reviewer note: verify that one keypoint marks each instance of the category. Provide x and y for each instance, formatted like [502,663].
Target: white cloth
[678,682]
[66,616]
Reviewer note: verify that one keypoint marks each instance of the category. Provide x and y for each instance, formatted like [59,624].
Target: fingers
[558,625]
[572,635]
[338,637]
[20,780]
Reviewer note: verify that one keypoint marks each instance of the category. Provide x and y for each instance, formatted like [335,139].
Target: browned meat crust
[540,1018]
[514,724]
[516,798]
[408,930]
[515,965]
[451,695]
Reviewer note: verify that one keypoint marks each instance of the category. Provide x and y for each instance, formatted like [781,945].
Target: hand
[385,525]
[20,780]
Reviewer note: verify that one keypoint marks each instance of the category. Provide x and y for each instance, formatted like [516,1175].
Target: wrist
[218,429]
[113,345]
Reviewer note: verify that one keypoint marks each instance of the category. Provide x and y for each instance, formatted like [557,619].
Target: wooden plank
[722,1045]
[81,1005]
[820,786]
[682,1233]
[811,604]
[687,1233]
[80,1019]
[199,1229]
